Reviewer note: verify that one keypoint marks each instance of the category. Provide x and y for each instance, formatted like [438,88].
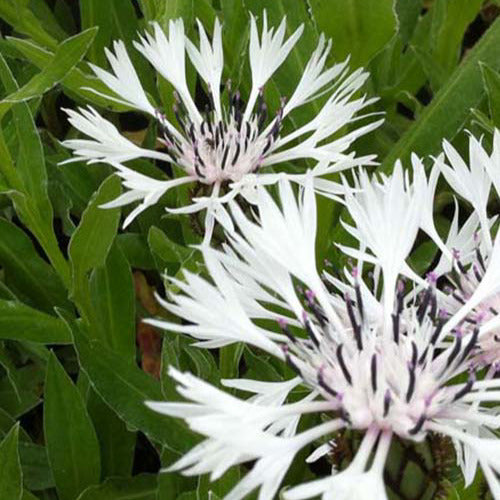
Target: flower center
[221,148]
[395,380]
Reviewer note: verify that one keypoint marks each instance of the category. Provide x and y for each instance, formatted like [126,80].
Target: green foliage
[451,106]
[76,364]
[72,445]
[10,466]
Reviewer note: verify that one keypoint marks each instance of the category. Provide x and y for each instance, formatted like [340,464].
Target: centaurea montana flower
[468,252]
[467,259]
[231,145]
[375,357]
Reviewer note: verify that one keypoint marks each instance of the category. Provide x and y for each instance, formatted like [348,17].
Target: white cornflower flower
[228,146]
[377,209]
[108,145]
[473,183]
[404,378]
[471,253]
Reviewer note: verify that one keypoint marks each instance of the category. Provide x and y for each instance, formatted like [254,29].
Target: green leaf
[116,442]
[172,484]
[37,474]
[113,298]
[72,445]
[260,367]
[141,487]
[407,13]
[433,70]
[125,388]
[188,495]
[67,55]
[92,239]
[48,18]
[76,180]
[24,21]
[173,10]
[6,424]
[26,395]
[491,80]
[30,162]
[235,32]
[456,17]
[29,181]
[28,496]
[449,109]
[97,13]
[76,83]
[135,247]
[148,8]
[10,466]
[167,253]
[359,28]
[26,273]
[21,322]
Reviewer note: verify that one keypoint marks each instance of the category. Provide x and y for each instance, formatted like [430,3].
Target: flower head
[471,253]
[226,145]
[399,368]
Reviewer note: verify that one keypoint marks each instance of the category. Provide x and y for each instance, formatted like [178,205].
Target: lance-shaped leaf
[67,55]
[125,388]
[72,445]
[26,273]
[21,322]
[10,466]
[92,239]
[27,176]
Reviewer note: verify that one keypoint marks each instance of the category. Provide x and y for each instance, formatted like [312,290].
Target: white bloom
[238,431]
[492,162]
[471,183]
[140,187]
[459,237]
[227,147]
[383,378]
[354,483]
[387,217]
[472,252]
[469,258]
[124,82]
[107,143]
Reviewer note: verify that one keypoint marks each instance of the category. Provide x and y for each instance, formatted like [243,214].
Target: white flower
[354,483]
[387,217]
[235,433]
[470,260]
[228,147]
[459,237]
[140,187]
[472,252]
[107,143]
[492,163]
[124,82]
[402,377]
[471,183]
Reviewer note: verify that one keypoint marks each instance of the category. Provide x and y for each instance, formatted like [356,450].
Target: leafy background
[76,364]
